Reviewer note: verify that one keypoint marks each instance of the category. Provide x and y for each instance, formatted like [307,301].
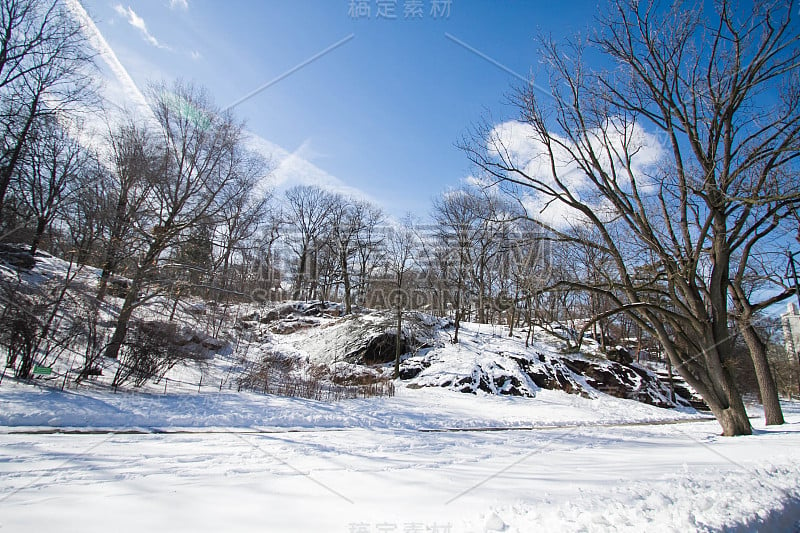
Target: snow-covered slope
[487,359]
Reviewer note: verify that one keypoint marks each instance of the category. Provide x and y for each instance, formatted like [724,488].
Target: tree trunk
[313,287]
[102,286]
[727,408]
[7,171]
[346,283]
[766,383]
[457,322]
[41,224]
[121,329]
[529,318]
[481,289]
[301,272]
[114,241]
[671,381]
[398,341]
[717,387]
[174,305]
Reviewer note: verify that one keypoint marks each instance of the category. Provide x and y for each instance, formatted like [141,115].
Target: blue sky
[381,112]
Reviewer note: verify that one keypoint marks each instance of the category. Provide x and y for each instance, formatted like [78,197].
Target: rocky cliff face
[485,360]
[523,375]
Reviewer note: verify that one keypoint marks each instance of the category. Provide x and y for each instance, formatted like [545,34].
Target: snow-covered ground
[428,459]
[248,462]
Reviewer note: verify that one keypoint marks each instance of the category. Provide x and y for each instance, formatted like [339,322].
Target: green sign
[42,370]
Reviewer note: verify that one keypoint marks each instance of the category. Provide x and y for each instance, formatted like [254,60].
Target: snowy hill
[314,338]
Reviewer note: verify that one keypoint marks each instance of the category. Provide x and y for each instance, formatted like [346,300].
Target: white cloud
[525,150]
[138,22]
[197,56]
[183,5]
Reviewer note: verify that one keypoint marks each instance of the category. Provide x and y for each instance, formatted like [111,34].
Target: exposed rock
[17,256]
[379,349]
[623,381]
[119,286]
[619,354]
[313,309]
[277,313]
[197,309]
[307,309]
[522,375]
[368,339]
[186,341]
[551,374]
[291,324]
[475,365]
[412,367]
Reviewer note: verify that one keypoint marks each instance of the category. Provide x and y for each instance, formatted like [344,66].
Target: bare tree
[401,243]
[264,259]
[744,146]
[369,246]
[84,215]
[202,155]
[308,209]
[136,163]
[679,213]
[350,219]
[43,70]
[241,217]
[457,215]
[756,284]
[50,174]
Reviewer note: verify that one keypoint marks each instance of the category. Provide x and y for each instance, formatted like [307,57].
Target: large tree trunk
[733,422]
[766,382]
[481,289]
[121,329]
[313,286]
[459,293]
[726,405]
[716,385]
[457,323]
[112,251]
[102,286]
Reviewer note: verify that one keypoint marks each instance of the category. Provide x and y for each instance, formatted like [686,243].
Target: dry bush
[35,326]
[279,374]
[151,350]
[19,332]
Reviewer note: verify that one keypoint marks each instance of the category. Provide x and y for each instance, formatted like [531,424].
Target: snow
[429,459]
[82,460]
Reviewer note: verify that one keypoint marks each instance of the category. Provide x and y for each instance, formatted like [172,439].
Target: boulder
[17,256]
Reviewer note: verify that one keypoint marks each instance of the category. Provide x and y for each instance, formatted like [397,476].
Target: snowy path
[238,431]
[368,467]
